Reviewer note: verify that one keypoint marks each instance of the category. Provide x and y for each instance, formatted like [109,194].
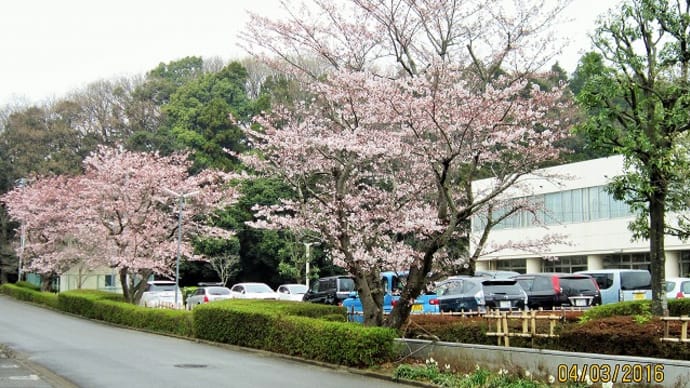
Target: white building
[78,277]
[595,224]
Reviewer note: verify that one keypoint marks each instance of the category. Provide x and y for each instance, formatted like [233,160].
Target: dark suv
[553,289]
[330,290]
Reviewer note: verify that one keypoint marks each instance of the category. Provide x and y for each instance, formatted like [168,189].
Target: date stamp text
[625,373]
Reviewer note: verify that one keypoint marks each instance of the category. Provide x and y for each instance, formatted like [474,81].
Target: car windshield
[636,280]
[218,291]
[502,289]
[162,287]
[604,280]
[347,284]
[577,284]
[297,288]
[260,288]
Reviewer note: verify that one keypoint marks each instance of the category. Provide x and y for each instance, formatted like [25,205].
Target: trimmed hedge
[290,328]
[109,307]
[676,308]
[632,332]
[30,294]
[622,335]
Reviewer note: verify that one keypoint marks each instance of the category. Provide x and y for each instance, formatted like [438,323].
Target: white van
[618,285]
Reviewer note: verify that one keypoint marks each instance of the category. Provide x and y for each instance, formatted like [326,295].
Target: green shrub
[291,328]
[630,308]
[639,308]
[28,285]
[109,307]
[30,294]
[679,307]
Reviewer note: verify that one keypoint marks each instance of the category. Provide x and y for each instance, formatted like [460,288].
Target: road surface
[91,354]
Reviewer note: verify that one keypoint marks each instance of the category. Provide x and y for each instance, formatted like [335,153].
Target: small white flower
[528,374]
[447,366]
[552,379]
[476,366]
[502,372]
[588,381]
[608,384]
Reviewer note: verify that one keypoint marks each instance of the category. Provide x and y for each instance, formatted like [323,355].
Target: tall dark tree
[205,115]
[638,102]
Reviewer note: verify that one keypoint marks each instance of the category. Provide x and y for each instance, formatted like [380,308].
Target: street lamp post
[181,198]
[307,246]
[21,182]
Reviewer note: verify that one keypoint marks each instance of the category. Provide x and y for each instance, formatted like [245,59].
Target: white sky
[49,47]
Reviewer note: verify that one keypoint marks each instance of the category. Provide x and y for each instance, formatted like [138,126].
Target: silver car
[206,295]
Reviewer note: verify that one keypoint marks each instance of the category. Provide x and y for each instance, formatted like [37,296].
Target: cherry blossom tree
[422,98]
[118,214]
[44,208]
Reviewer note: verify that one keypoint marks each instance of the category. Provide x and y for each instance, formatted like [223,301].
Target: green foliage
[637,308]
[201,113]
[261,251]
[39,141]
[28,292]
[109,307]
[293,328]
[429,372]
[679,307]
[28,285]
[636,94]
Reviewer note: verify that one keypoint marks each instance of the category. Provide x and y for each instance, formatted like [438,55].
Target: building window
[109,281]
[627,261]
[684,263]
[517,265]
[563,207]
[568,264]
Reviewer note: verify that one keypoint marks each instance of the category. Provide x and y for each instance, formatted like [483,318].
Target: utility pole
[181,200]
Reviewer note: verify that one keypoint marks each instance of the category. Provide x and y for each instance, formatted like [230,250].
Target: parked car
[677,288]
[293,292]
[547,290]
[253,291]
[161,293]
[479,294]
[618,285]
[393,283]
[207,294]
[330,290]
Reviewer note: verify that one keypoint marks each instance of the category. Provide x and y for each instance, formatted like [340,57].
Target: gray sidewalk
[16,372]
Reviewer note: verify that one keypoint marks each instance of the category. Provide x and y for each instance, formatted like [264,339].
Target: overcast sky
[51,47]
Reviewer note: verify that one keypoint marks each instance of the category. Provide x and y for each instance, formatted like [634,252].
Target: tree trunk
[656,247]
[46,282]
[124,282]
[416,282]
[371,293]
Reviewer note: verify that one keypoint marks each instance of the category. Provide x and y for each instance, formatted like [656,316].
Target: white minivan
[618,285]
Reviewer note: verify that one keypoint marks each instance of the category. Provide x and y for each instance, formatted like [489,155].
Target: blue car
[426,304]
[393,283]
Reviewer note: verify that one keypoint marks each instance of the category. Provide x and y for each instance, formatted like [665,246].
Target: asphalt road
[74,352]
